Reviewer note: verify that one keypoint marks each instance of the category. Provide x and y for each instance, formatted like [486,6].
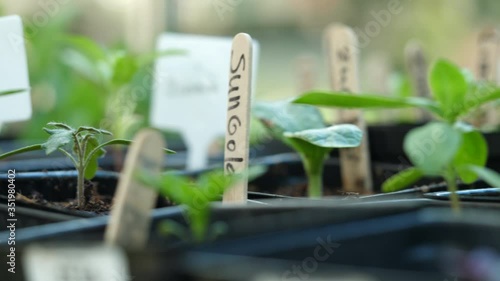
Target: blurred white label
[85,263]
[13,71]
[190,90]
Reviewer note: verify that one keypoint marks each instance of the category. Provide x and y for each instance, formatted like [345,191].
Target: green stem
[80,188]
[452,188]
[314,172]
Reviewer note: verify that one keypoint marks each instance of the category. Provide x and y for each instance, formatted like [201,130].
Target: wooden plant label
[342,49]
[13,71]
[130,215]
[190,91]
[75,263]
[417,67]
[306,73]
[144,22]
[488,58]
[238,116]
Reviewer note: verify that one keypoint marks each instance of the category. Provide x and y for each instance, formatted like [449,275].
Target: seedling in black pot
[448,147]
[195,196]
[302,128]
[82,146]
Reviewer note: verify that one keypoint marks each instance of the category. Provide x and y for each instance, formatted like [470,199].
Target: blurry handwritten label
[75,263]
[13,71]
[190,91]
[343,64]
[238,115]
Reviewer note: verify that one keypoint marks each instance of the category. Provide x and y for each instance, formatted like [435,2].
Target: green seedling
[119,74]
[82,146]
[302,128]
[195,196]
[447,147]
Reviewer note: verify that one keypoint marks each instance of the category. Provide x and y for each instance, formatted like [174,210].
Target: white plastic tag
[82,263]
[13,71]
[190,91]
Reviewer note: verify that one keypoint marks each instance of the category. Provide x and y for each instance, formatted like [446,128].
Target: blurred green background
[290,33]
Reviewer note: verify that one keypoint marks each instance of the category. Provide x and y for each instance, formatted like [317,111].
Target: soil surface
[96,203]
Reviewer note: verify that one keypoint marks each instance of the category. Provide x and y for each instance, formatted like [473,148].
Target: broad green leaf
[11,92]
[92,161]
[487,175]
[22,150]
[82,65]
[402,180]
[58,138]
[473,151]
[432,147]
[365,101]
[284,116]
[337,136]
[124,70]
[449,87]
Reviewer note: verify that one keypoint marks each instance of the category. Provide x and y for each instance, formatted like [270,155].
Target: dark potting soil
[96,203]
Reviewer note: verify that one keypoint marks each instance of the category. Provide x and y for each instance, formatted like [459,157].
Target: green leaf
[86,46]
[93,130]
[283,116]
[402,180]
[487,175]
[432,147]
[22,150]
[58,138]
[473,151]
[449,87]
[337,136]
[365,101]
[92,160]
[482,94]
[11,92]
[124,70]
[60,125]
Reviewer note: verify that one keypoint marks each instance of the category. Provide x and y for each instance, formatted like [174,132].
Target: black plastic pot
[415,237]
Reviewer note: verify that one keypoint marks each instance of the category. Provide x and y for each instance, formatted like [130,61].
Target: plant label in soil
[238,116]
[487,70]
[190,91]
[145,20]
[342,48]
[306,73]
[75,263]
[130,215]
[13,71]
[417,67]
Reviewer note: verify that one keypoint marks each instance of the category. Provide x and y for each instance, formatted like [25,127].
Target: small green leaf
[93,130]
[11,92]
[60,125]
[58,138]
[124,70]
[481,94]
[432,147]
[283,116]
[337,136]
[449,87]
[365,101]
[92,161]
[22,150]
[487,175]
[473,151]
[402,180]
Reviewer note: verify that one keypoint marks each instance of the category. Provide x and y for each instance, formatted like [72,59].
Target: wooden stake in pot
[145,20]
[238,116]
[342,49]
[417,67]
[487,70]
[130,216]
[306,73]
